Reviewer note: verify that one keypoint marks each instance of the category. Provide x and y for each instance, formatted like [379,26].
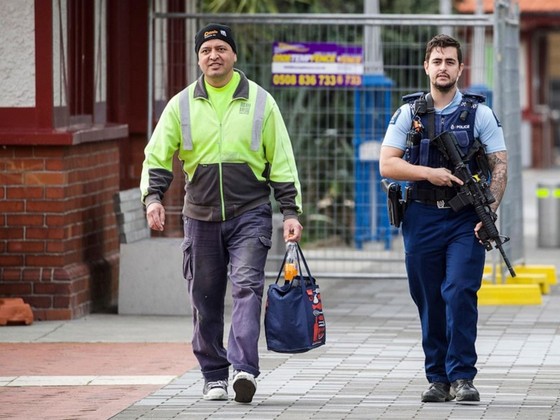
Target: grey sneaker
[437,392]
[244,385]
[464,390]
[215,390]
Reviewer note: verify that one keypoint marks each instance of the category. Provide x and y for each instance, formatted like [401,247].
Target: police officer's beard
[445,88]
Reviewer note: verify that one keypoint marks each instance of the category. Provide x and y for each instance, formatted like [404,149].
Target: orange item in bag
[290,271]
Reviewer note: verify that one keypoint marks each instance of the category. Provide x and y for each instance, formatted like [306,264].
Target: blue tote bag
[294,321]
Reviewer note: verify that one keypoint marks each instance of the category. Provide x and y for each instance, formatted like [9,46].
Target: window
[79,62]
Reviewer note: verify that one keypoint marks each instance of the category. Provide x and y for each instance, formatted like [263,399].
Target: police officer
[234,147]
[444,257]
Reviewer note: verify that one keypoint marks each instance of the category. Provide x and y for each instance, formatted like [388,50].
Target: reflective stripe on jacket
[229,165]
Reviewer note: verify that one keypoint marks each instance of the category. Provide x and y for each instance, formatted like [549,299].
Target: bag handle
[300,253]
[282,266]
[300,257]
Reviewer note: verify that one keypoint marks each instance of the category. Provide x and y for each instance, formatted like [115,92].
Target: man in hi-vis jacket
[234,147]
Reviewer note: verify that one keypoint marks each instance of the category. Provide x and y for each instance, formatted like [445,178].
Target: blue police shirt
[486,126]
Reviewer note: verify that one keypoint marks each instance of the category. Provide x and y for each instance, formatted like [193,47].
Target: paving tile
[375,370]
[371,367]
[67,381]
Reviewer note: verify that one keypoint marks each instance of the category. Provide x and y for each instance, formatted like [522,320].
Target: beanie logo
[214,32]
[210,33]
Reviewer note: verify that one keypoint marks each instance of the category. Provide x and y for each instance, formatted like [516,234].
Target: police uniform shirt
[486,126]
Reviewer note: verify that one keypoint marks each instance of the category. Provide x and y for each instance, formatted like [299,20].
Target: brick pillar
[59,247]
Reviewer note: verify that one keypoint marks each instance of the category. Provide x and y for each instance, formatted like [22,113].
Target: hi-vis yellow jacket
[229,166]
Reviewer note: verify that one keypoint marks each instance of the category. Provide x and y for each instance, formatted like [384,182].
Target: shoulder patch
[395,116]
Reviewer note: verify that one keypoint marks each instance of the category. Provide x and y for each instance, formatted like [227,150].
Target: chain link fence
[337,124]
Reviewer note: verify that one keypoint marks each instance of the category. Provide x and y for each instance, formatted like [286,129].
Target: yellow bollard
[509,294]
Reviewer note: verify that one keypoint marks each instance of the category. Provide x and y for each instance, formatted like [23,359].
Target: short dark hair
[443,41]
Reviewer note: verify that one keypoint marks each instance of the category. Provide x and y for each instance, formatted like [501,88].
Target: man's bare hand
[155,213]
[442,177]
[477,229]
[292,230]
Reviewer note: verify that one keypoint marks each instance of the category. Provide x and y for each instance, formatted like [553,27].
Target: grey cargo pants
[209,248]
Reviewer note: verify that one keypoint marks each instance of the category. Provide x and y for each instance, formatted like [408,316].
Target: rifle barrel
[506,259]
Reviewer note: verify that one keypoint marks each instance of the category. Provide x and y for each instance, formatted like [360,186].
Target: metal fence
[337,131]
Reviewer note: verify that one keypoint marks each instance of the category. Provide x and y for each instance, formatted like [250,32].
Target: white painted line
[133,380]
[85,380]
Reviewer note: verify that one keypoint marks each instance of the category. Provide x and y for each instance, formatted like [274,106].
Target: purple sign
[316,64]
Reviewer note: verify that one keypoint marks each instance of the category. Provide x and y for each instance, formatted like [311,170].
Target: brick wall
[59,247]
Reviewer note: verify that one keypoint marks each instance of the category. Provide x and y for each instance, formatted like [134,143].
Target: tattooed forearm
[498,166]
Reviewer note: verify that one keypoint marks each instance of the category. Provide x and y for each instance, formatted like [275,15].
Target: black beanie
[214,31]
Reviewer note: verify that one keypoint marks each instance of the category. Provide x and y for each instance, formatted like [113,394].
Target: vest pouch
[462,140]
[424,152]
[412,154]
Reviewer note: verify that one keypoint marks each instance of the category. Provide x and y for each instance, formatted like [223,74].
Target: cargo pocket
[267,242]
[186,247]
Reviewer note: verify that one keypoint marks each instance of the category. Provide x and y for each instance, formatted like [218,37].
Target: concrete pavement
[132,367]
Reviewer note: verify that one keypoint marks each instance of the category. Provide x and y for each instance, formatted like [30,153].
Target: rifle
[475,191]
